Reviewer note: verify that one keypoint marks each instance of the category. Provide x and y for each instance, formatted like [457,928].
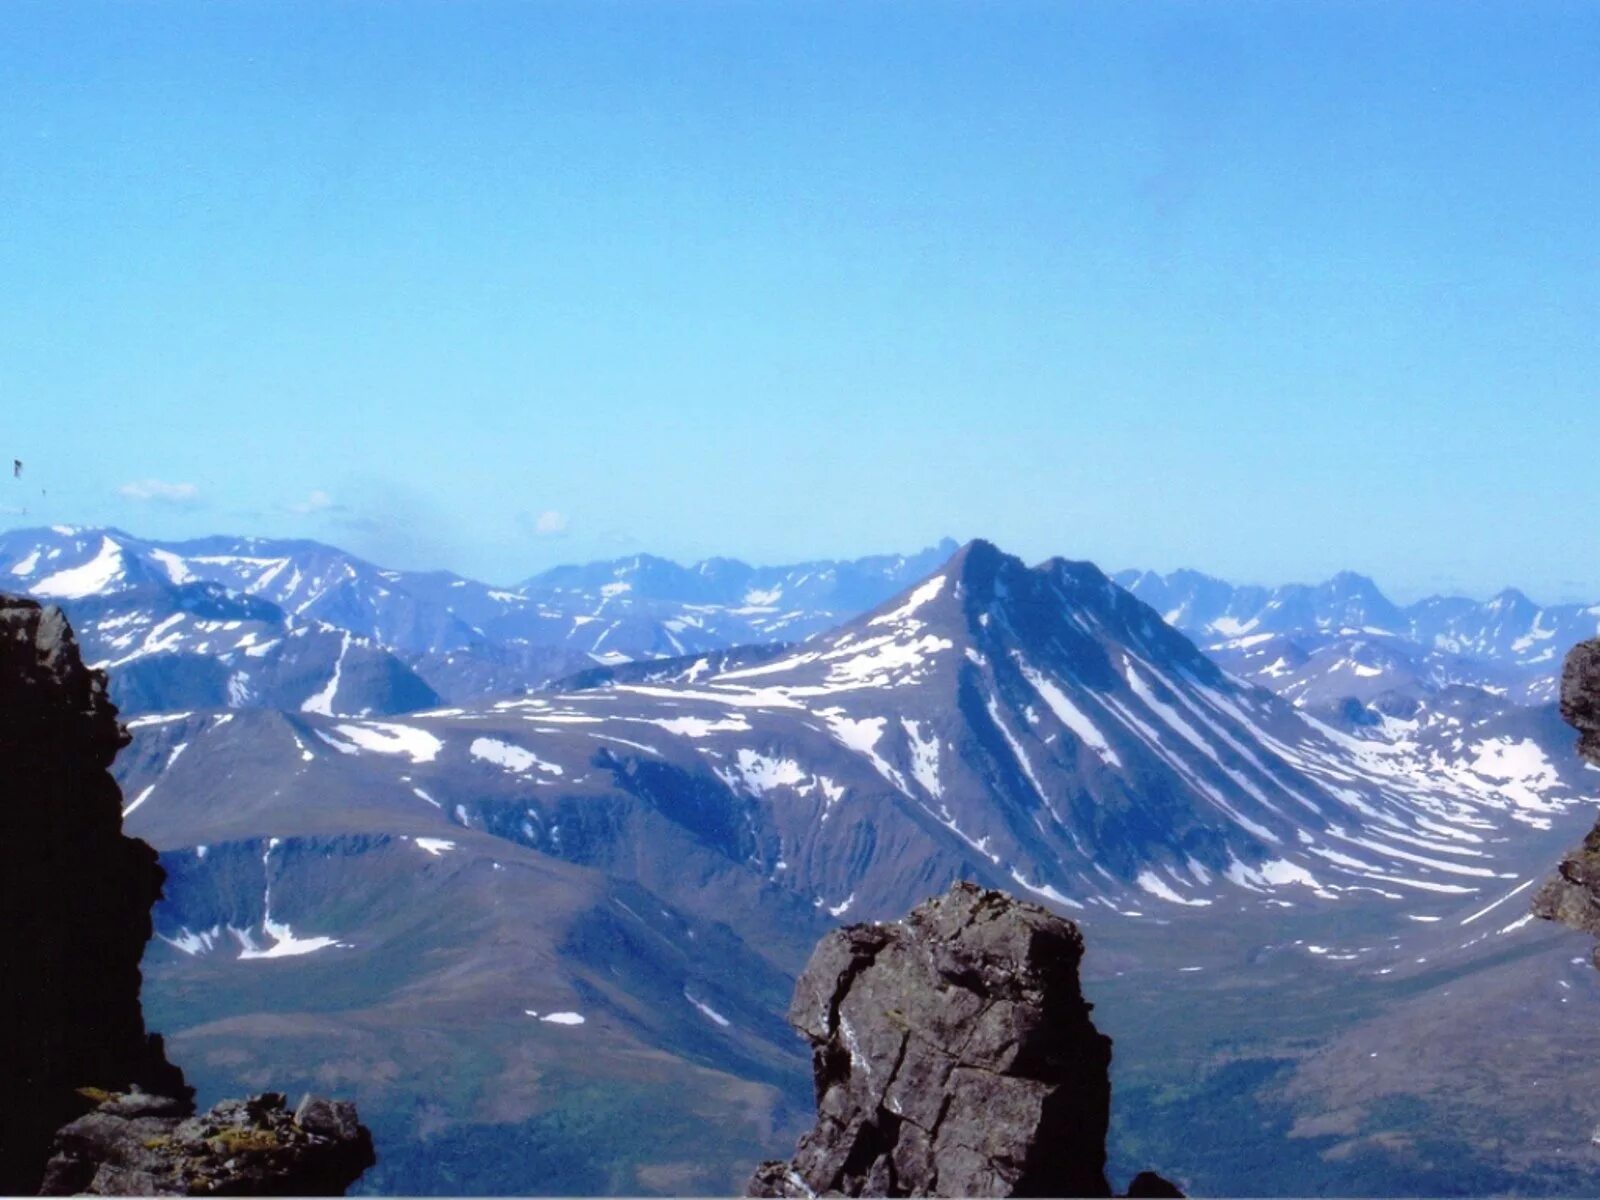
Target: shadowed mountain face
[75,892]
[198,645]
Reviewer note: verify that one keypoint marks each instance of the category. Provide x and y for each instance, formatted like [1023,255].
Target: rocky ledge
[1572,894]
[953,1055]
[133,1144]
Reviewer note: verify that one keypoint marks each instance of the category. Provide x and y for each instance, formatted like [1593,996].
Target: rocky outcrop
[75,892]
[1572,894]
[76,895]
[953,1055]
[1580,697]
[141,1145]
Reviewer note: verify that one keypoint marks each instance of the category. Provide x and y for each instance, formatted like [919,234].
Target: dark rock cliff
[953,1055]
[1572,894]
[75,895]
[75,892]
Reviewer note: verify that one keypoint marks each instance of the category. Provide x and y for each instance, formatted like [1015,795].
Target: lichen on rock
[135,1144]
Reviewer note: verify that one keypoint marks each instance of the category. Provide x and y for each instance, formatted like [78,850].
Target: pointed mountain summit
[1353,601]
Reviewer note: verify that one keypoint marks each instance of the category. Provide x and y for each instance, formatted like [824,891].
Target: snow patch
[924,594]
[699,727]
[1151,882]
[417,744]
[1070,715]
[710,1013]
[558,1018]
[92,577]
[512,758]
[322,702]
[761,774]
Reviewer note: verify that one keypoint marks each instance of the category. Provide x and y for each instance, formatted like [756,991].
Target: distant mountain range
[1320,642]
[165,614]
[167,605]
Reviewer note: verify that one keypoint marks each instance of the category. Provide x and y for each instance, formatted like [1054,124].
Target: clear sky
[1267,289]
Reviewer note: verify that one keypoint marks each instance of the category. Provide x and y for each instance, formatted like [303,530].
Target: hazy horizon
[1397,595]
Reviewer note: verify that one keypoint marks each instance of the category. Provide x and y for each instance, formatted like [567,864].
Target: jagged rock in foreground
[141,1145]
[953,1055]
[75,895]
[1580,697]
[1572,894]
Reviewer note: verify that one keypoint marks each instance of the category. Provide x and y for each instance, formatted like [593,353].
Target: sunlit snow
[92,577]
[512,758]
[417,744]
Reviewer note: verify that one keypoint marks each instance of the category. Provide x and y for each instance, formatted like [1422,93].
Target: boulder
[953,1055]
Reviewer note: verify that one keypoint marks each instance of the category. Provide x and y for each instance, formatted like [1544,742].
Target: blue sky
[1265,289]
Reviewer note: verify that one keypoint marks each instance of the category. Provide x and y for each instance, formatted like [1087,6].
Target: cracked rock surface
[953,1055]
[1572,894]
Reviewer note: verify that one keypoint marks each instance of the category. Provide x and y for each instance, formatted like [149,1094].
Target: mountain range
[463,639]
[542,917]
[1289,638]
[237,601]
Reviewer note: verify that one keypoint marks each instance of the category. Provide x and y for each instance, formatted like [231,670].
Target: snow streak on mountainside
[1344,637]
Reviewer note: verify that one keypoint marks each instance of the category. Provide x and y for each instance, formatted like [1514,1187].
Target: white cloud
[158,491]
[550,522]
[317,501]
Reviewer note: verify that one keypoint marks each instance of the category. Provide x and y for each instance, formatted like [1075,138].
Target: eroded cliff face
[1572,894]
[75,894]
[953,1055]
[88,1100]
